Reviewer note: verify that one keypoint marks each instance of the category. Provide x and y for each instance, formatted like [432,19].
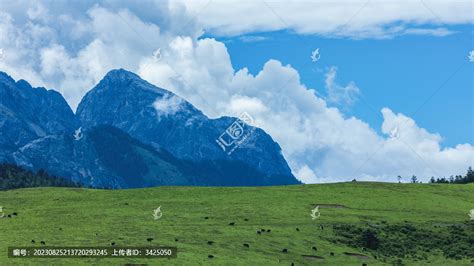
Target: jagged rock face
[164,120]
[102,157]
[28,113]
[129,133]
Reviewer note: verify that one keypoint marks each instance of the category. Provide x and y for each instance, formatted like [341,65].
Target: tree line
[458,179]
[13,176]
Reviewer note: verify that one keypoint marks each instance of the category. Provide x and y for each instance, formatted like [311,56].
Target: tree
[451,179]
[414,179]
[399,178]
[459,179]
[369,239]
[469,175]
[432,180]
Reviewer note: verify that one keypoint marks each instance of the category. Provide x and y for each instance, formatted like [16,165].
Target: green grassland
[89,217]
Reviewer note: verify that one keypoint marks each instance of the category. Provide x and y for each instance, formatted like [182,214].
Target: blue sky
[400,72]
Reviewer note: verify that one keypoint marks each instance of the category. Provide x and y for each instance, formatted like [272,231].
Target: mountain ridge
[131,110]
[110,103]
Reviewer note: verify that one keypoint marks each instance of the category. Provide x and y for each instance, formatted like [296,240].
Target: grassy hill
[429,222]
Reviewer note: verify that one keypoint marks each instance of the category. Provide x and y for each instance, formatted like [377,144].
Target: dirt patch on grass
[357,255]
[330,206]
[312,257]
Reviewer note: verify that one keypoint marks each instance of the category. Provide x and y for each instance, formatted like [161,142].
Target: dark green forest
[12,176]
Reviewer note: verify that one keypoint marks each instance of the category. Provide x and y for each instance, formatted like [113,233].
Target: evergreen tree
[469,175]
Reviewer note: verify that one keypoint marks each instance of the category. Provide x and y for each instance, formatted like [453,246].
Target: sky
[389,93]
[397,72]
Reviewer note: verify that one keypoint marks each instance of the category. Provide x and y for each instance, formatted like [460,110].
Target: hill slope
[98,217]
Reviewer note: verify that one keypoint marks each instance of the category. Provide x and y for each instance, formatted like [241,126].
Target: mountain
[128,133]
[103,157]
[166,121]
[27,114]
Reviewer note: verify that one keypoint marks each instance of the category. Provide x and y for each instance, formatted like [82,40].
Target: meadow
[413,224]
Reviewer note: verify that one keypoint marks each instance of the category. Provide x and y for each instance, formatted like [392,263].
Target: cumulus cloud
[319,142]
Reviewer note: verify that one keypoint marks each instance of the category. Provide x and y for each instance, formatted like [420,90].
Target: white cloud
[251,38]
[168,105]
[71,47]
[239,104]
[338,94]
[439,32]
[306,175]
[319,142]
[350,18]
[36,11]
